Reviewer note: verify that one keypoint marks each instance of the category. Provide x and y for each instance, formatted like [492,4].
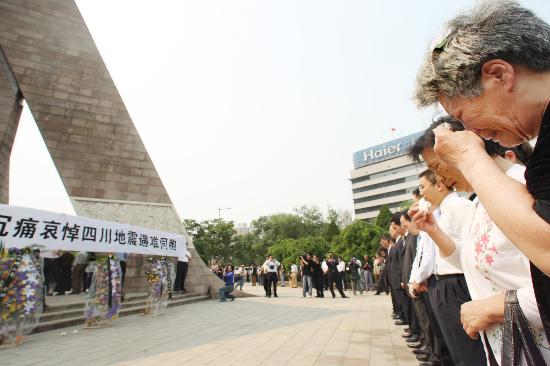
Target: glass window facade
[376,208]
[386,184]
[398,192]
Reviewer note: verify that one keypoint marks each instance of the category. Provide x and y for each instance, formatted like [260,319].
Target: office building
[384,175]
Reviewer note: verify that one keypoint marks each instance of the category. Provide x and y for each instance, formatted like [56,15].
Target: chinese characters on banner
[22,227]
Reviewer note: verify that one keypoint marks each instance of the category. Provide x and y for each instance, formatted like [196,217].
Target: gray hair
[491,30]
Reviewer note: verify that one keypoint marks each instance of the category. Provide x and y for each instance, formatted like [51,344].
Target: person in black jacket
[408,259]
[383,285]
[317,273]
[396,267]
[333,275]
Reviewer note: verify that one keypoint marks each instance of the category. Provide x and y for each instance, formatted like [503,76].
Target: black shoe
[396,317]
[406,335]
[378,293]
[345,297]
[415,345]
[407,330]
[429,363]
[423,358]
[275,295]
[401,322]
[412,339]
[269,296]
[419,351]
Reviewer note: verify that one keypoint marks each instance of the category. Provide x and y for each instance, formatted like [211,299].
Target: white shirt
[294,268]
[492,264]
[81,258]
[273,263]
[324,266]
[341,266]
[453,212]
[185,257]
[51,254]
[424,260]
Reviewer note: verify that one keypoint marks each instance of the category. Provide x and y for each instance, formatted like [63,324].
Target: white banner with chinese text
[22,227]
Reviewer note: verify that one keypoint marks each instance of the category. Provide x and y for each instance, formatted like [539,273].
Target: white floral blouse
[492,265]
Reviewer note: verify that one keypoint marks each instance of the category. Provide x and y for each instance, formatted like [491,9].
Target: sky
[253,105]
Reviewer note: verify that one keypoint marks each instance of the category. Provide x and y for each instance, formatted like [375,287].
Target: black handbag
[517,336]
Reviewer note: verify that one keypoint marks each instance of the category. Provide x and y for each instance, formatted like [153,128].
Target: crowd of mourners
[468,264]
[313,272]
[469,272]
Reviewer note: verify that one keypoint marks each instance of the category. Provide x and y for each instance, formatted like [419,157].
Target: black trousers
[396,302]
[410,313]
[123,270]
[447,294]
[382,284]
[319,284]
[423,317]
[332,279]
[181,273]
[440,351]
[265,282]
[271,279]
[403,304]
[50,273]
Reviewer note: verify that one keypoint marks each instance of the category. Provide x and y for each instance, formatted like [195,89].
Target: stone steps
[62,316]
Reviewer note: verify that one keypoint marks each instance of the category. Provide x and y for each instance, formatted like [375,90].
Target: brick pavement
[288,330]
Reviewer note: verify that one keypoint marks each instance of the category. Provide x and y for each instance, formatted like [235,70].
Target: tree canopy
[287,236]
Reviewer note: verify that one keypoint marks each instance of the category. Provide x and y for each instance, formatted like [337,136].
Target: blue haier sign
[387,151]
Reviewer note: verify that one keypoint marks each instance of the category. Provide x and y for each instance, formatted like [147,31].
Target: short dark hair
[523,152]
[427,140]
[405,214]
[396,218]
[385,237]
[429,175]
[416,192]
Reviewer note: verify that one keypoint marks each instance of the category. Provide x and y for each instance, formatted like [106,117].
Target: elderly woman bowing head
[491,70]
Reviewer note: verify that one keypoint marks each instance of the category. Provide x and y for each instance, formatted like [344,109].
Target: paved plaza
[288,330]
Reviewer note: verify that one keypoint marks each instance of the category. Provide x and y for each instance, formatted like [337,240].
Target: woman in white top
[492,264]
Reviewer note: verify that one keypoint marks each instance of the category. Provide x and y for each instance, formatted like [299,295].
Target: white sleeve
[427,267]
[423,261]
[414,276]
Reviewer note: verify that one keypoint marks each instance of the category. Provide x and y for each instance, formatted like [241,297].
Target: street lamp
[220,211]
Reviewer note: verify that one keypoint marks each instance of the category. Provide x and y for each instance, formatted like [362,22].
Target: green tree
[213,239]
[405,205]
[289,250]
[357,239]
[384,218]
[332,230]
